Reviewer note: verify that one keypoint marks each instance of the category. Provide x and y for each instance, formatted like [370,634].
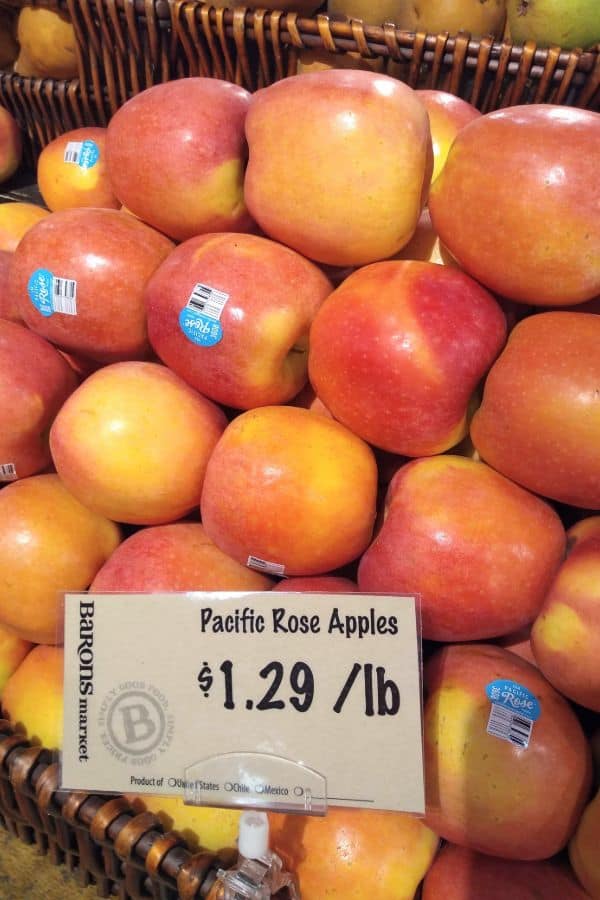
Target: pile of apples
[252,345]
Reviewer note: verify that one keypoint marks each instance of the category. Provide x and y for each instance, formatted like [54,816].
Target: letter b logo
[136,723]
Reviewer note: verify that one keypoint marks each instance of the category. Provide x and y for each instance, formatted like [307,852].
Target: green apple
[564,23]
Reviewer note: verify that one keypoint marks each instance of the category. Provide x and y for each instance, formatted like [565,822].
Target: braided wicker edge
[99,838]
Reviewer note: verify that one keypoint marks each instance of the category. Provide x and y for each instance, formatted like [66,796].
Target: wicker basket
[99,838]
[125,46]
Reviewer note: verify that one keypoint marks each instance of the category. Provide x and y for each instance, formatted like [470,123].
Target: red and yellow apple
[425,245]
[11,146]
[35,380]
[312,140]
[132,443]
[399,348]
[537,240]
[461,874]
[110,257]
[291,488]
[72,171]
[13,651]
[519,642]
[565,637]
[539,422]
[479,550]
[354,854]
[177,557]
[195,127]
[447,115]
[268,298]
[8,307]
[583,848]
[49,543]
[33,696]
[15,220]
[485,792]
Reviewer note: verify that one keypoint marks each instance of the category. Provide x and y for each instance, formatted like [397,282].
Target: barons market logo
[135,724]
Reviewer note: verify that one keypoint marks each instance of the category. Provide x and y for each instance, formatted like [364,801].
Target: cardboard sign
[285,701]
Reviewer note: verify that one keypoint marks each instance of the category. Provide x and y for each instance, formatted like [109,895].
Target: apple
[354,854]
[8,307]
[554,23]
[78,278]
[425,245]
[583,848]
[35,381]
[13,651]
[539,422]
[11,146]
[479,550]
[307,399]
[49,543]
[479,17]
[519,642]
[398,349]
[311,138]
[177,557]
[447,115]
[489,793]
[251,350]
[292,489]
[15,220]
[33,696]
[195,127]
[133,441]
[588,527]
[72,171]
[202,827]
[322,584]
[565,636]
[544,157]
[461,874]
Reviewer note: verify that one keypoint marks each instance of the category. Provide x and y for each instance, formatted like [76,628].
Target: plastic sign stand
[257,781]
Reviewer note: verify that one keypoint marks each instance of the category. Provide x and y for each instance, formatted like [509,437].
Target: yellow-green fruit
[374,12]
[47,41]
[561,23]
[479,17]
[33,696]
[201,826]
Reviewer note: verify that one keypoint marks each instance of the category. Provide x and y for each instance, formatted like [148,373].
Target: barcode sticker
[84,154]
[64,296]
[263,565]
[199,318]
[514,710]
[8,472]
[73,151]
[509,726]
[207,300]
[52,294]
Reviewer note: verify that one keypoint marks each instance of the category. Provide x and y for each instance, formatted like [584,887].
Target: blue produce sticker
[39,288]
[514,710]
[199,328]
[51,294]
[199,318]
[84,154]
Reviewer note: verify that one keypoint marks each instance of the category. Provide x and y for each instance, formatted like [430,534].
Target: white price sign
[286,701]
